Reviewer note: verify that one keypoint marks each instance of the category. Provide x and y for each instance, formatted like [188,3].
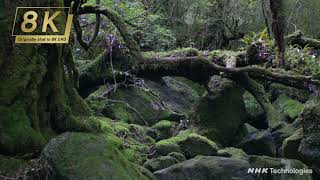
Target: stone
[219,114]
[290,146]
[288,107]
[77,156]
[207,167]
[259,143]
[159,163]
[234,153]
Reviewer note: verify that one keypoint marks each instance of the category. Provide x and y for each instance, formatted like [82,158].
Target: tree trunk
[37,95]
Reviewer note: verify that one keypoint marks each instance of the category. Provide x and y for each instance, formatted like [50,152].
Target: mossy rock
[244,130]
[259,143]
[178,156]
[276,90]
[136,141]
[178,94]
[284,131]
[165,129]
[278,163]
[220,113]
[87,156]
[289,107]
[290,146]
[255,111]
[207,167]
[129,105]
[232,152]
[195,145]
[191,144]
[159,163]
[310,143]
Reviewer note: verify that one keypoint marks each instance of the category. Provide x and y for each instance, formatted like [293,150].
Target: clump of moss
[189,143]
[184,52]
[178,156]
[164,129]
[289,107]
[159,163]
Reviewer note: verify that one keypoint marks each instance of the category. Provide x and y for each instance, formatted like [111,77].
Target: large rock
[77,156]
[278,163]
[290,146]
[259,143]
[159,163]
[205,168]
[233,153]
[220,113]
[285,130]
[276,90]
[288,107]
[164,129]
[191,144]
[310,144]
[256,114]
[145,103]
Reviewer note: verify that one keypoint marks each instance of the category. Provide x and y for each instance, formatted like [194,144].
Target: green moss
[289,107]
[186,52]
[16,132]
[78,155]
[9,164]
[159,163]
[121,128]
[200,89]
[293,108]
[178,156]
[130,103]
[233,153]
[164,129]
[191,144]
[220,112]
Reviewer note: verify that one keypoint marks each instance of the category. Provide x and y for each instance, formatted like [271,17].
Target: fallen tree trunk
[298,39]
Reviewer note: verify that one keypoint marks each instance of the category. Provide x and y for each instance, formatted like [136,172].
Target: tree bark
[37,96]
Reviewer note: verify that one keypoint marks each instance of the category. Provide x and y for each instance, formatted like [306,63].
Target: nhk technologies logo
[42,25]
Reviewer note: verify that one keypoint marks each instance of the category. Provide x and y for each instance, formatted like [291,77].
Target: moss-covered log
[298,39]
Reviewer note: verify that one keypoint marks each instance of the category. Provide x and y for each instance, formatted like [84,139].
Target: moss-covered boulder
[255,112]
[159,163]
[178,156]
[219,114]
[284,131]
[288,107]
[136,141]
[178,93]
[87,156]
[165,129]
[309,148]
[232,152]
[145,103]
[207,167]
[278,163]
[276,90]
[259,143]
[244,130]
[131,105]
[290,146]
[190,144]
